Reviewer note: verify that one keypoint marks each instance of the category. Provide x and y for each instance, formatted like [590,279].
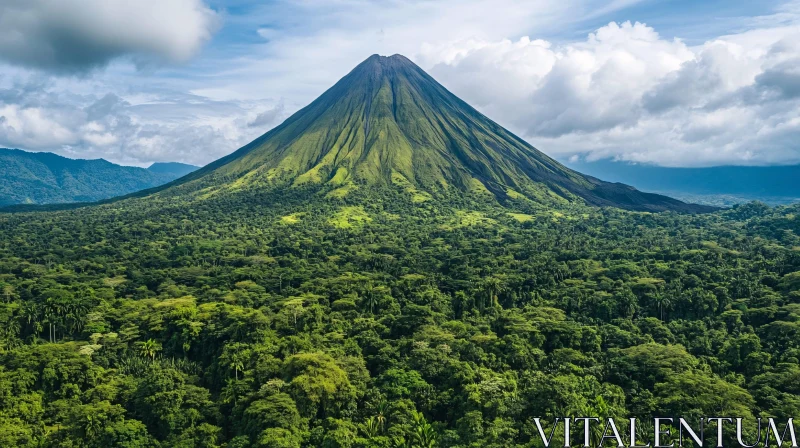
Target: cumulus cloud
[78,35]
[167,126]
[624,91]
[627,93]
[304,46]
[268,117]
[784,79]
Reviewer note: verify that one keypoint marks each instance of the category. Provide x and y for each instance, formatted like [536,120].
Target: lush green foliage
[370,320]
[350,279]
[46,178]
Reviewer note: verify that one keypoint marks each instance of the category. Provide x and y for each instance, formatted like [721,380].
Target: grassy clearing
[513,194]
[468,218]
[477,187]
[341,192]
[521,217]
[294,218]
[349,217]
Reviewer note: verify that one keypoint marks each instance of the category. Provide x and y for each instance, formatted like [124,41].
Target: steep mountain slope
[46,178]
[389,123]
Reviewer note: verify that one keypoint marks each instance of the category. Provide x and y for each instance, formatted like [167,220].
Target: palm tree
[237,362]
[493,286]
[49,316]
[422,434]
[30,313]
[8,335]
[56,305]
[598,408]
[76,321]
[370,300]
[663,301]
[371,428]
[382,413]
[60,311]
[148,349]
[92,427]
[76,315]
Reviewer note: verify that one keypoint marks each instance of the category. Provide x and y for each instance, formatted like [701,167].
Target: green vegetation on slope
[388,121]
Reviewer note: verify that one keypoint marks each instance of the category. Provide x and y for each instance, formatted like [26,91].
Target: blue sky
[673,82]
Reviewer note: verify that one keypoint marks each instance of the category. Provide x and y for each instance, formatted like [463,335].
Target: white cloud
[268,117]
[165,126]
[627,93]
[310,44]
[623,91]
[77,35]
[34,127]
[223,100]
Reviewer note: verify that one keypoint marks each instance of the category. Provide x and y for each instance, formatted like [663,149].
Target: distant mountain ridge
[47,178]
[729,184]
[176,169]
[389,124]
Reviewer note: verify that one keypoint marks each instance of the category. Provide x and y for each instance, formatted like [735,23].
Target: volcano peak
[391,66]
[393,59]
[389,123]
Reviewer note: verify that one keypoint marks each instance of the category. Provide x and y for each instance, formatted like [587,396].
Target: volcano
[388,123]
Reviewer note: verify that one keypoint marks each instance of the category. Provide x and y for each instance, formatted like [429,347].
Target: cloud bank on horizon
[193,80]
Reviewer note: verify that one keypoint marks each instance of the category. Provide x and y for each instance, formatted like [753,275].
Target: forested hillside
[47,178]
[292,319]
